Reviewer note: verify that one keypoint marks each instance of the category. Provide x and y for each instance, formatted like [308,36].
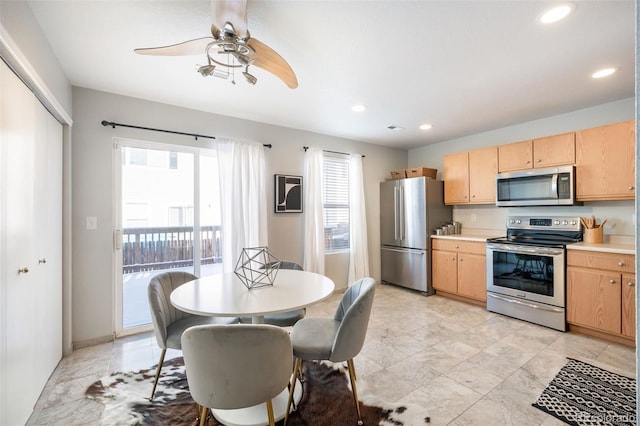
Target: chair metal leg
[203,416]
[352,375]
[272,420]
[155,382]
[296,369]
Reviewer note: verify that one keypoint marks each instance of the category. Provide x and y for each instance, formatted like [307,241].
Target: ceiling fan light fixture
[206,70]
[251,79]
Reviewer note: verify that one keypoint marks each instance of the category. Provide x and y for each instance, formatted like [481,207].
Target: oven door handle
[530,305]
[515,248]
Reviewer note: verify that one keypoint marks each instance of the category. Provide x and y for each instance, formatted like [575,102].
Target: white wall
[620,215]
[93,272]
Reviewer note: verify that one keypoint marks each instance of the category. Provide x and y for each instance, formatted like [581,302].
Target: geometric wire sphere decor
[257,267]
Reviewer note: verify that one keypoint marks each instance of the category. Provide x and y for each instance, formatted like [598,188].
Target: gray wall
[620,215]
[93,271]
[22,31]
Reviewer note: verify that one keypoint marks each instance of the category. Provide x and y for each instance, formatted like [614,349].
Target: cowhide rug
[327,399]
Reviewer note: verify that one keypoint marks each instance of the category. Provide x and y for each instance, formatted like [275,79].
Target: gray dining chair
[336,339]
[168,322]
[288,318]
[236,366]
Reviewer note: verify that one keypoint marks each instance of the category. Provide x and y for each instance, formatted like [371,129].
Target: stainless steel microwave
[554,186]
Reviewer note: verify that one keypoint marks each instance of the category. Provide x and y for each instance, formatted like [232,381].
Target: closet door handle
[23,270]
[43,260]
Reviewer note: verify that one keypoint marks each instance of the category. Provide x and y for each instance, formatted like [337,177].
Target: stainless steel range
[526,269]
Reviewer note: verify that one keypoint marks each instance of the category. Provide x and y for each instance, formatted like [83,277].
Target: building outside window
[336,201]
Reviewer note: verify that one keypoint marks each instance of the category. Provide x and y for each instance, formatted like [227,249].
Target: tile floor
[465,365]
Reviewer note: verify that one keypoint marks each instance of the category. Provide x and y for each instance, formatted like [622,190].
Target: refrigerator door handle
[401,210]
[395,213]
[407,250]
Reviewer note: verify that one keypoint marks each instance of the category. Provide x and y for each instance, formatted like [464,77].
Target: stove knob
[512,221]
[573,222]
[518,221]
[564,222]
[557,222]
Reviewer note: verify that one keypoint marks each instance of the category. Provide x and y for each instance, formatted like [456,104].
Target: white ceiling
[462,66]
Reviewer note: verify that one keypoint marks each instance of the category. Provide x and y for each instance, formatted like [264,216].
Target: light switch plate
[92,222]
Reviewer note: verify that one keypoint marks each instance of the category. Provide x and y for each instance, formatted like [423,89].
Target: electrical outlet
[474,217]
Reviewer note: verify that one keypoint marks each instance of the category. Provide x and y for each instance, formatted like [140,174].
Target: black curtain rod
[195,135]
[332,152]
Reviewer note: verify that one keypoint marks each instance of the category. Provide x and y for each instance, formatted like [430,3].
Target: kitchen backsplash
[620,215]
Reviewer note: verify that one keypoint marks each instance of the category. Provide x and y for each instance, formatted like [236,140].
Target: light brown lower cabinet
[601,292]
[629,305]
[459,269]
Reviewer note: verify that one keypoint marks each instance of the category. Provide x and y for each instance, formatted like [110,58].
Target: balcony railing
[148,249]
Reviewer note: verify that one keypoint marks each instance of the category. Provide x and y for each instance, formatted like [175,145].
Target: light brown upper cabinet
[605,162]
[470,177]
[549,151]
[456,178]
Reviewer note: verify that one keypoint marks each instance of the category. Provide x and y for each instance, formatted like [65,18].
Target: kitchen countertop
[606,247]
[480,235]
[612,244]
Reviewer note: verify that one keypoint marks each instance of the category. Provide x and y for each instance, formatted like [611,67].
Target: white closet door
[31,208]
[47,279]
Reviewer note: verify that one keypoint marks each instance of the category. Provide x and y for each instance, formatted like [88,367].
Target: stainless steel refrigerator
[410,209]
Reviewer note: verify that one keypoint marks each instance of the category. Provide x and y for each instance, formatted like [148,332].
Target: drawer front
[597,260]
[475,247]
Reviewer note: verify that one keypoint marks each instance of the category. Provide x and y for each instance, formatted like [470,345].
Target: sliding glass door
[168,220]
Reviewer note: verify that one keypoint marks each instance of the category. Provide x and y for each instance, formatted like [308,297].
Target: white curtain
[359,248]
[243,198]
[313,212]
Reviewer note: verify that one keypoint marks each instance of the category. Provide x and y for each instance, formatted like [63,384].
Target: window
[336,201]
[173,160]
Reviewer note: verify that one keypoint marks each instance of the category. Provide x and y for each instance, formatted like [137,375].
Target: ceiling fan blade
[269,60]
[197,46]
[232,11]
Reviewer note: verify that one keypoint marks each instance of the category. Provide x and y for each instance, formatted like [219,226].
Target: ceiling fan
[231,47]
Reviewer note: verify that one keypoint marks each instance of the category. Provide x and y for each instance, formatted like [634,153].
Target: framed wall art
[288,194]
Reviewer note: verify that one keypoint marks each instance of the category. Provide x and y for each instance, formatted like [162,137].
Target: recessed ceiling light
[358,108]
[557,13]
[603,73]
[425,126]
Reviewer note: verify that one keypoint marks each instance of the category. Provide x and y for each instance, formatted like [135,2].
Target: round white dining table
[225,295]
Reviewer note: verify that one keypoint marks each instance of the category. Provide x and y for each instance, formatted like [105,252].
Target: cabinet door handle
[631,283]
[620,263]
[453,258]
[461,259]
[527,162]
[43,260]
[631,188]
[23,270]
[538,160]
[612,281]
